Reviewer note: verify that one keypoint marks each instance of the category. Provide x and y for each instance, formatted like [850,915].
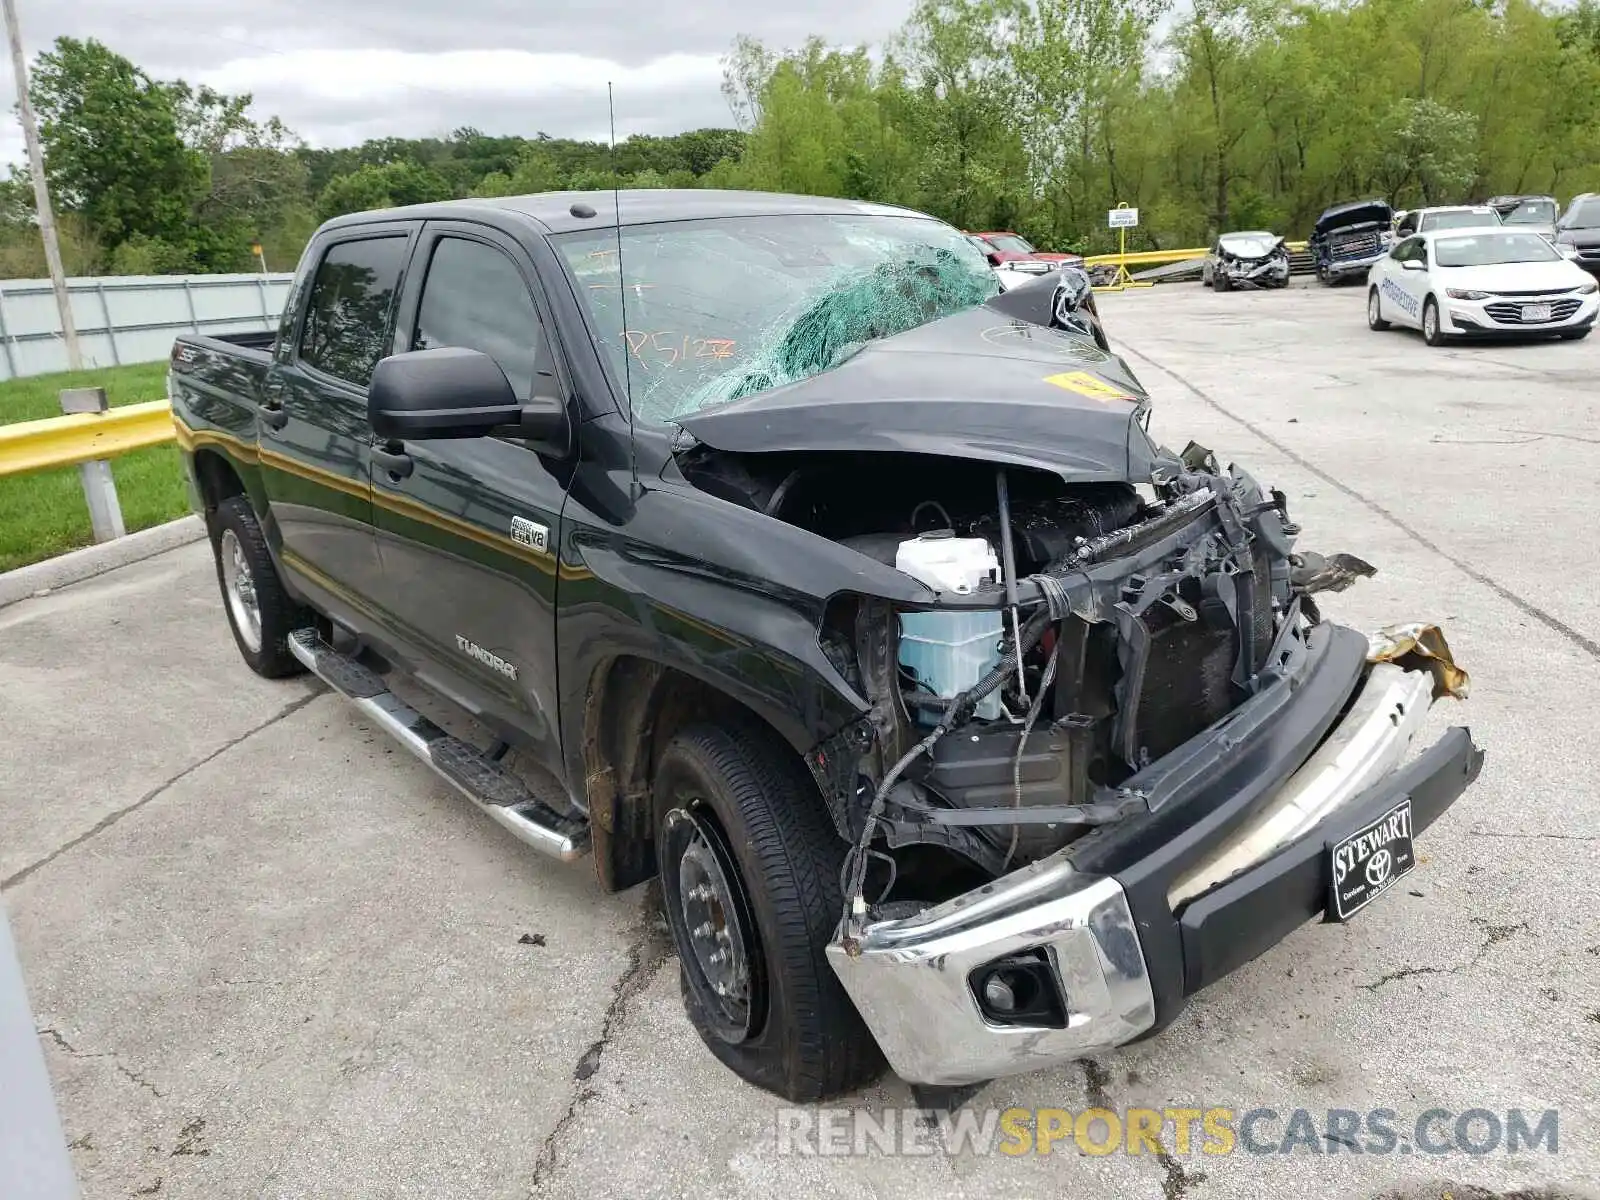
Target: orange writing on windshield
[663,347]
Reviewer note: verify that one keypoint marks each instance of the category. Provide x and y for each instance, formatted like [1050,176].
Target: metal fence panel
[125,319]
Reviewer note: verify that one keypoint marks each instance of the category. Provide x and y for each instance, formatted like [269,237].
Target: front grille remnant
[1511,313]
[1354,245]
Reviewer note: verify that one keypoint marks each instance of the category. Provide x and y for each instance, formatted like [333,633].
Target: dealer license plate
[1535,312]
[1364,865]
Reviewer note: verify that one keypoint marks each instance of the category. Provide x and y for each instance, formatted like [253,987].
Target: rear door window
[474,297]
[351,303]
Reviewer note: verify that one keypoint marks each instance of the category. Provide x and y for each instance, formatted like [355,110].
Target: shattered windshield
[1492,249]
[717,309]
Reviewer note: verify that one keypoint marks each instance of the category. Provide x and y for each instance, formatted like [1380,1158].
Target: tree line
[1031,115]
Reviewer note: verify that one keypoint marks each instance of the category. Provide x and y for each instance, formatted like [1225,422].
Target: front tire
[260,612]
[1375,311]
[749,865]
[1430,323]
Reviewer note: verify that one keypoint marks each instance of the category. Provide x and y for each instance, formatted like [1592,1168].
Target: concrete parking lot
[269,955]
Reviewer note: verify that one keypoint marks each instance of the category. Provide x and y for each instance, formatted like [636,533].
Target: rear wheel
[749,865]
[1430,323]
[260,612]
[1375,311]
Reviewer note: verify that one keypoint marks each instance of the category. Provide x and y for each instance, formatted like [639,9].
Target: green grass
[43,514]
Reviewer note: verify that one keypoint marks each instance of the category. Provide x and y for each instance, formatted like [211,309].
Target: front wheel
[1430,323]
[260,612]
[1375,311]
[749,864]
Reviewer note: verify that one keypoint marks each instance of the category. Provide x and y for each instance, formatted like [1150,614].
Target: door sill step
[483,780]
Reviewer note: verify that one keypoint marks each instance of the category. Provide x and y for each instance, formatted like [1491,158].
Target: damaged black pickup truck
[780,555]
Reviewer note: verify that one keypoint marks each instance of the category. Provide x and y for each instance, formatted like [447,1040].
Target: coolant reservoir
[950,651]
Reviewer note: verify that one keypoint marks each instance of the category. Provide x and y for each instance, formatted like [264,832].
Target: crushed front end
[1166,762]
[1252,261]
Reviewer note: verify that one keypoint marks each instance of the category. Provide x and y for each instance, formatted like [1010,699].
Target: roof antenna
[622,291]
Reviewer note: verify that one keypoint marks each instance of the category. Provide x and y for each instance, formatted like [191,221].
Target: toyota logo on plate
[1379,866]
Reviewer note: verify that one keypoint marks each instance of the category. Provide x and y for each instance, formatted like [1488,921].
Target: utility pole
[41,190]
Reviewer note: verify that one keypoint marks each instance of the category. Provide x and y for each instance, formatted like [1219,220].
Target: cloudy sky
[341,71]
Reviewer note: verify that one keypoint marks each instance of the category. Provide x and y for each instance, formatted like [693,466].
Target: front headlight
[1465,294]
[1589,289]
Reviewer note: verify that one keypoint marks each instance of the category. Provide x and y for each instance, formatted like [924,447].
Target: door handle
[274,416]
[396,462]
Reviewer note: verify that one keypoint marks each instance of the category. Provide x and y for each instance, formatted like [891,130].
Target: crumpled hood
[1248,245]
[1357,212]
[972,385]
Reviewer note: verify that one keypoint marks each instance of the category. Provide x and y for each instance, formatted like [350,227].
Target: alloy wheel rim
[1372,309]
[1430,323]
[239,586]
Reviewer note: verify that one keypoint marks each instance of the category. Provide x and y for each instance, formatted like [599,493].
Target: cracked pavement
[270,956]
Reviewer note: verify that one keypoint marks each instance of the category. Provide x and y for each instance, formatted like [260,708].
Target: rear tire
[1375,311]
[1430,323]
[750,866]
[260,612]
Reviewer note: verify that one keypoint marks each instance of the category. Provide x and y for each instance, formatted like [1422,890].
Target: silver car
[1251,258]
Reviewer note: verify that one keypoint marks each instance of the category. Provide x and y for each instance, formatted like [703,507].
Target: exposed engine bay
[1076,634]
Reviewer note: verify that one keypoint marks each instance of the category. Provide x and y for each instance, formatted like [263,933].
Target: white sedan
[1489,281]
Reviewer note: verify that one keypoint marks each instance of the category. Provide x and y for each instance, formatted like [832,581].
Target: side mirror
[1412,264]
[453,392]
[994,258]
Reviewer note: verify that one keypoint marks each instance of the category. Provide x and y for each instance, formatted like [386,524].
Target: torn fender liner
[1419,646]
[972,385]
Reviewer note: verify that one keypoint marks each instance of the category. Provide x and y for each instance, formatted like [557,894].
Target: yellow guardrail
[1151,258]
[83,437]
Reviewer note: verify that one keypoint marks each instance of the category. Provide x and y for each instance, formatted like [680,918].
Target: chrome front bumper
[1349,266]
[912,982]
[915,980]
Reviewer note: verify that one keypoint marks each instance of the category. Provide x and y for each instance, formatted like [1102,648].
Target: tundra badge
[472,650]
[530,534]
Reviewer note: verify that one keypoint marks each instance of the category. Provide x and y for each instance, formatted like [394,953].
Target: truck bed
[228,368]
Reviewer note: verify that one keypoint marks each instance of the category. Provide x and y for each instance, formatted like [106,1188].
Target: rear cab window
[350,305]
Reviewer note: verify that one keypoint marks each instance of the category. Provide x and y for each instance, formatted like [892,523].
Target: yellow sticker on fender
[1086,384]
